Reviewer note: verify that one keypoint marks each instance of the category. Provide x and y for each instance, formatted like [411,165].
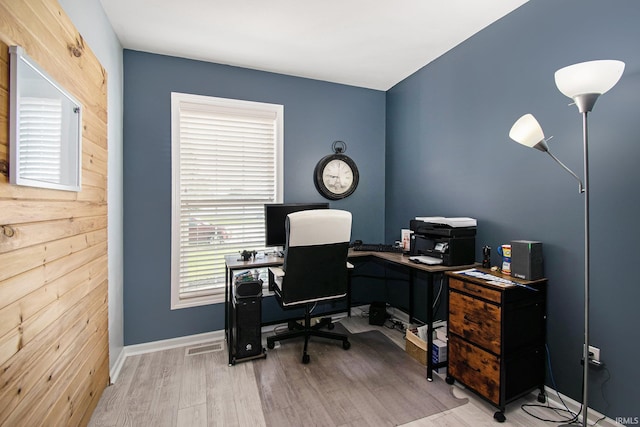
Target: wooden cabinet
[497,337]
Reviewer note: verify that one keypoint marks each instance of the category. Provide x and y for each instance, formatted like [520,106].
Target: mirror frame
[69,157]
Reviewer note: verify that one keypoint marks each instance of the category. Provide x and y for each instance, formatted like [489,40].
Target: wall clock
[336,175]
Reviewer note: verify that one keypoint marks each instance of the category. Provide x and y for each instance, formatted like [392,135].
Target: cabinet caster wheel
[499,417]
[449,380]
[346,345]
[305,358]
[542,398]
[271,345]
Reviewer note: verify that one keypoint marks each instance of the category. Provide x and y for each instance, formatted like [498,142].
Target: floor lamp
[584,83]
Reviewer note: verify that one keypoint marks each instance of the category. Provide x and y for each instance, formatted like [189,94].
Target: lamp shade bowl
[592,77]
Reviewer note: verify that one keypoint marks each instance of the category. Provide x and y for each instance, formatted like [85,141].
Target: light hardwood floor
[167,388]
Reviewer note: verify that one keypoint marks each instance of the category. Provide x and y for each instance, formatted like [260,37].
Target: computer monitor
[274,220]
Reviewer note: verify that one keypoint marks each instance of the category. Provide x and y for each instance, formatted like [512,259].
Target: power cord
[559,411]
[436,301]
[395,324]
[574,417]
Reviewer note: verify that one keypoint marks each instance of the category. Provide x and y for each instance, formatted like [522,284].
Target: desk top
[487,282]
[234,262]
[402,259]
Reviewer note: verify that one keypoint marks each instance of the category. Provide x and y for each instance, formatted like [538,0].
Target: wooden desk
[234,263]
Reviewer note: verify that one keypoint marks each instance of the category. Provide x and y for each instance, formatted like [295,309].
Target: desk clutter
[416,344]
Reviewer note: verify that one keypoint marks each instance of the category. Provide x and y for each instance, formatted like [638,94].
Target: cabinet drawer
[475,368]
[476,290]
[476,320]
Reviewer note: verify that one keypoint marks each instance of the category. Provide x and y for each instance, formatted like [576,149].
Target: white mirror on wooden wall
[45,128]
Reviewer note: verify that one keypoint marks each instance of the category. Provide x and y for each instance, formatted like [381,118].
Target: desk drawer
[476,290]
[476,320]
[475,368]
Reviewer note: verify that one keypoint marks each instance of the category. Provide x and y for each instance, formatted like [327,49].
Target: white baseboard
[150,347]
[117,367]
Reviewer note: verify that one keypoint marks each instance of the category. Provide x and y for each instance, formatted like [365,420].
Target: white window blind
[226,164]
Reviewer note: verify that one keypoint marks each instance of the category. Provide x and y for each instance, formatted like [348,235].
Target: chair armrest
[276,274]
[277,271]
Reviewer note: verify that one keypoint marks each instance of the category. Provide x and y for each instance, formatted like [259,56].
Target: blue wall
[315,114]
[448,153]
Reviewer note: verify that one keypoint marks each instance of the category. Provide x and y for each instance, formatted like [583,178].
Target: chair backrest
[315,258]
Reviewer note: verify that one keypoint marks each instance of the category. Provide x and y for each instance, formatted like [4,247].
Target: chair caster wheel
[542,398]
[330,326]
[346,345]
[271,345]
[305,358]
[499,417]
[449,380]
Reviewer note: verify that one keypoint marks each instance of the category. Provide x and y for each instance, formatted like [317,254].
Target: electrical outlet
[594,354]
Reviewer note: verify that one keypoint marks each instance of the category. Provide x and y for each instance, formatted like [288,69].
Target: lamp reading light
[586,81]
[527,131]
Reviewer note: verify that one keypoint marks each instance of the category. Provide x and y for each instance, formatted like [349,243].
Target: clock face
[336,176]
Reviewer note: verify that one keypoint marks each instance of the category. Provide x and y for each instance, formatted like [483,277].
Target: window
[226,164]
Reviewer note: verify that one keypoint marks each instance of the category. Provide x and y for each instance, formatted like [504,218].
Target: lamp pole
[585,104]
[585,352]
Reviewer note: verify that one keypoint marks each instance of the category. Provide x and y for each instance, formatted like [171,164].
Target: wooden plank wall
[54,353]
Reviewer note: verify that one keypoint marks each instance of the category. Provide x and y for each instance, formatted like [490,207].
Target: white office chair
[315,269]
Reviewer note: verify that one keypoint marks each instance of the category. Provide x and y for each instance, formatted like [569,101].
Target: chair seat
[277,274]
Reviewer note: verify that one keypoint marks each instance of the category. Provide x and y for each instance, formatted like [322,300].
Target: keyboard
[377,247]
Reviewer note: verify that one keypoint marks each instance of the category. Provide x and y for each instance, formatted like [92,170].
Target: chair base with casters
[307,331]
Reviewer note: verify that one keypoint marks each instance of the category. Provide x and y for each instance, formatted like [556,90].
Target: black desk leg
[411,280]
[228,311]
[349,294]
[430,328]
[226,303]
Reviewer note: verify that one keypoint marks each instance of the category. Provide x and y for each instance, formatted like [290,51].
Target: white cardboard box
[439,351]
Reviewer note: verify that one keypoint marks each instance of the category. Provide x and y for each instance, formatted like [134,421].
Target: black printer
[454,245]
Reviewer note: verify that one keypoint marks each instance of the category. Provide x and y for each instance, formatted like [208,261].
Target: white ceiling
[366,43]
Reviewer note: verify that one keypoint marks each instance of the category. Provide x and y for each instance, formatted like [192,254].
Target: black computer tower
[378,313]
[246,319]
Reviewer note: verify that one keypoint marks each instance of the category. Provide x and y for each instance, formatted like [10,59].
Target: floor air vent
[204,348]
